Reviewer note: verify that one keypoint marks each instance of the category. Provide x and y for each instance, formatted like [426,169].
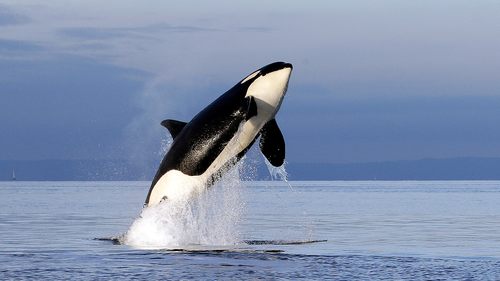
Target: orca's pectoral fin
[272,143]
[173,126]
[251,107]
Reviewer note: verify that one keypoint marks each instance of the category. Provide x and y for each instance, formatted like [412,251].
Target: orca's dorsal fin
[173,126]
[251,107]
[272,143]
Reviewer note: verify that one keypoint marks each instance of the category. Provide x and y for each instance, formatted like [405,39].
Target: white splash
[277,173]
[210,219]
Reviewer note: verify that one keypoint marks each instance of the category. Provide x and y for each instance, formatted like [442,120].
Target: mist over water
[209,219]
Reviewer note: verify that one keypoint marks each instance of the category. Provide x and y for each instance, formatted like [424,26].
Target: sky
[372,80]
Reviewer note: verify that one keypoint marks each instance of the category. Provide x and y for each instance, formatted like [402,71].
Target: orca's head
[268,86]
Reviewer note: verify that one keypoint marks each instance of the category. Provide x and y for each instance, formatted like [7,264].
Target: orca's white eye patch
[250,76]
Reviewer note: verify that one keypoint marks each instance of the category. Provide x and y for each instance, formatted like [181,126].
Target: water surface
[374,230]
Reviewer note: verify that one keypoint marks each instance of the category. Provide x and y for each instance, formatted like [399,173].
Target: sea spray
[305,230]
[277,173]
[211,218]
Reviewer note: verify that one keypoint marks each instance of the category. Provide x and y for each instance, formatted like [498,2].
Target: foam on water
[211,218]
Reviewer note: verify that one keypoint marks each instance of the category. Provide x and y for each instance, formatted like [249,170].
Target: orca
[219,136]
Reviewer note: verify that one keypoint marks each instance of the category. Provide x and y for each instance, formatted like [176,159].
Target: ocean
[255,230]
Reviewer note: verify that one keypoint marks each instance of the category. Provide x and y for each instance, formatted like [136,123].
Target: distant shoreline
[463,168]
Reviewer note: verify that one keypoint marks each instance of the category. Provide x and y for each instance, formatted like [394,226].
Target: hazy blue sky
[372,80]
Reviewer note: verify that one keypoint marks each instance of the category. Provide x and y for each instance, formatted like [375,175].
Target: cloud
[18,46]
[370,83]
[145,32]
[64,107]
[103,33]
[93,33]
[10,17]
